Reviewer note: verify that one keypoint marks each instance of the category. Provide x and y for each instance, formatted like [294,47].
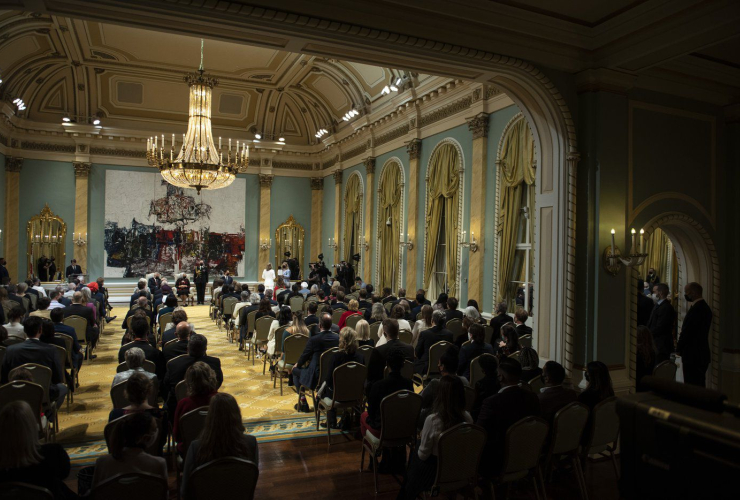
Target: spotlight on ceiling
[386,90]
[96,121]
[394,88]
[282,139]
[258,136]
[19,103]
[398,82]
[66,119]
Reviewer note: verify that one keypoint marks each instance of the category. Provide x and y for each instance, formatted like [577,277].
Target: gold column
[317,203]
[369,192]
[265,192]
[12,224]
[478,126]
[414,150]
[338,207]
[82,172]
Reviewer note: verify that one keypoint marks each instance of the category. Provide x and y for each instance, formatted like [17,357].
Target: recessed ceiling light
[66,119]
[258,136]
[96,121]
[282,139]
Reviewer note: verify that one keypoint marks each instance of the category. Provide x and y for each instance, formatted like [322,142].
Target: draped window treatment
[517,175]
[442,196]
[352,208]
[390,192]
[656,247]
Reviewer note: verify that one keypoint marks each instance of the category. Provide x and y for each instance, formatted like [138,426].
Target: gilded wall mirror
[289,237]
[46,236]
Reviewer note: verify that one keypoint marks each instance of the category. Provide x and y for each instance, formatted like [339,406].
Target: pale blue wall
[327,220]
[292,196]
[251,227]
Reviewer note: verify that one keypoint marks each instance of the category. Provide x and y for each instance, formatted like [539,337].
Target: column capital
[82,169]
[13,164]
[478,125]
[317,184]
[369,165]
[413,148]
[266,180]
[338,176]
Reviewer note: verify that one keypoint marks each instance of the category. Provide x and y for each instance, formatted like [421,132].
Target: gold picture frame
[289,237]
[46,235]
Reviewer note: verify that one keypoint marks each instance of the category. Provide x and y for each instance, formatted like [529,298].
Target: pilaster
[317,203]
[265,194]
[478,126]
[13,167]
[338,214]
[368,230]
[414,150]
[82,173]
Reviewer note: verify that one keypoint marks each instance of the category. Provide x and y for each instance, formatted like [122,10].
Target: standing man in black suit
[176,368]
[35,351]
[693,343]
[652,278]
[200,276]
[378,357]
[154,283]
[661,323]
[73,270]
[4,275]
[78,308]
[430,337]
[644,304]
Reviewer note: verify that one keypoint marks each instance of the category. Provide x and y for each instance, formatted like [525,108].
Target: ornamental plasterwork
[82,169]
[317,183]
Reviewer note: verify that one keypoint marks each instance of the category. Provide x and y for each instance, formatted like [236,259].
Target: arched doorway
[697,261]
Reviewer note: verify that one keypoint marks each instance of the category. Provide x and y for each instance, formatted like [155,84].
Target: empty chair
[666,370]
[565,439]
[222,477]
[139,485]
[460,448]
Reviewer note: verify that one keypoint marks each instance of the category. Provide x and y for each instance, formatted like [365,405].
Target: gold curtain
[352,207]
[444,180]
[517,173]
[389,205]
[657,249]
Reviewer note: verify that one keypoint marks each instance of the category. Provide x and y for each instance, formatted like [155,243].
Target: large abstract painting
[151,226]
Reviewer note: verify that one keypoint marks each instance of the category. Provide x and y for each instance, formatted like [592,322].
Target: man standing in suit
[35,351]
[4,275]
[652,278]
[430,337]
[73,270]
[154,283]
[553,397]
[661,323]
[200,276]
[176,368]
[644,304]
[501,411]
[499,320]
[379,355]
[315,347]
[227,278]
[77,308]
[693,343]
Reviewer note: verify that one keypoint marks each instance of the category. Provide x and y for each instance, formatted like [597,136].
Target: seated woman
[284,319]
[138,387]
[530,364]
[353,310]
[510,341]
[449,410]
[135,358]
[399,314]
[363,333]
[24,460]
[183,288]
[422,325]
[223,436]
[599,384]
[202,385]
[14,327]
[297,327]
[128,443]
[347,353]
[470,351]
[87,300]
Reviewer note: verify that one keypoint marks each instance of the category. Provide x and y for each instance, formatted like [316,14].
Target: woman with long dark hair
[202,385]
[599,384]
[284,318]
[510,341]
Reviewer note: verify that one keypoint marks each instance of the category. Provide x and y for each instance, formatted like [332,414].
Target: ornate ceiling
[133,80]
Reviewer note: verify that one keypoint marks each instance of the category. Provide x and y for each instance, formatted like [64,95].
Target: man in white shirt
[54,296]
[70,290]
[14,325]
[37,286]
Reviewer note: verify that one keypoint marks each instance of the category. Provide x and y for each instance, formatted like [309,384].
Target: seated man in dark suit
[499,320]
[473,349]
[141,303]
[178,317]
[430,337]
[155,282]
[197,346]
[140,290]
[311,318]
[387,296]
[554,396]
[363,302]
[307,376]
[184,330]
[78,308]
[452,311]
[520,318]
[32,350]
[379,355]
[501,411]
[141,340]
[339,303]
[401,296]
[57,316]
[268,296]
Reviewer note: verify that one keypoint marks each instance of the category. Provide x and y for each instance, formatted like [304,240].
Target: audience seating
[118,395]
[366,351]
[405,336]
[435,352]
[525,341]
[603,433]
[349,391]
[292,349]
[336,315]
[460,448]
[12,341]
[353,320]
[191,424]
[536,384]
[2,354]
[455,326]
[139,485]
[228,309]
[42,376]
[69,345]
[399,413]
[324,363]
[181,390]
[147,365]
[128,321]
[250,331]
[666,370]
[406,372]
[476,373]
[296,304]
[31,393]
[62,360]
[24,491]
[261,330]
[523,446]
[80,326]
[565,440]
[515,355]
[224,477]
[388,306]
[469,398]
[375,331]
[163,321]
[488,334]
[155,449]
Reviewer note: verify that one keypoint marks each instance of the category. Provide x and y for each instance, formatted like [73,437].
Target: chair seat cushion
[282,366]
[326,402]
[373,441]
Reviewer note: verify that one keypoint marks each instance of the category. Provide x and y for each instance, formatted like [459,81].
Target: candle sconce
[265,243]
[78,240]
[363,243]
[472,245]
[408,244]
[613,260]
[333,244]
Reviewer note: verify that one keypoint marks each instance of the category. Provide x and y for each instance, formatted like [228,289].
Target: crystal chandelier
[199,164]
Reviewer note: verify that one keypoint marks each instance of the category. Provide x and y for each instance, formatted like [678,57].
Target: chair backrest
[523,445]
[418,316]
[61,359]
[176,357]
[68,344]
[42,376]
[24,491]
[665,370]
[320,308]
[139,485]
[515,355]
[399,414]
[604,425]
[407,371]
[119,399]
[164,320]
[262,328]
[296,303]
[476,372]
[536,384]
[324,364]
[353,320]
[525,341]
[33,298]
[293,347]
[455,326]
[435,352]
[228,305]
[405,336]
[31,393]
[388,306]
[192,424]
[79,324]
[469,398]
[155,449]
[181,390]
[375,331]
[349,382]
[567,428]
[460,449]
[487,334]
[336,315]
[12,341]
[222,477]
[147,366]
[130,318]
[367,351]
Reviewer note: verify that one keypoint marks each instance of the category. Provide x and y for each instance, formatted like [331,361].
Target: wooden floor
[305,470]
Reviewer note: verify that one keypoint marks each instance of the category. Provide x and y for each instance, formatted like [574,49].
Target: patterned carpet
[265,412]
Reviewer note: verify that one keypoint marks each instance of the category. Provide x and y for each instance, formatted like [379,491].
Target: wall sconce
[408,244]
[333,244]
[613,260]
[472,245]
[265,243]
[364,244]
[78,240]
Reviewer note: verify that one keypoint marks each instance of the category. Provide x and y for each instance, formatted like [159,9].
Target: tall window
[352,215]
[390,198]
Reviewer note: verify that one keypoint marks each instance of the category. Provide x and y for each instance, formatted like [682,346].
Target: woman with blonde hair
[353,310]
[268,277]
[23,459]
[422,325]
[202,385]
[363,333]
[222,436]
[347,353]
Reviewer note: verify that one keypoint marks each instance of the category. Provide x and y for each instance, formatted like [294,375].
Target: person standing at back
[268,276]
[693,343]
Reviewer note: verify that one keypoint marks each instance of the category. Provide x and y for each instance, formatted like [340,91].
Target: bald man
[693,343]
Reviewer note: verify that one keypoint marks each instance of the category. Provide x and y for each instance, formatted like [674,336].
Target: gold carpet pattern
[254,392]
